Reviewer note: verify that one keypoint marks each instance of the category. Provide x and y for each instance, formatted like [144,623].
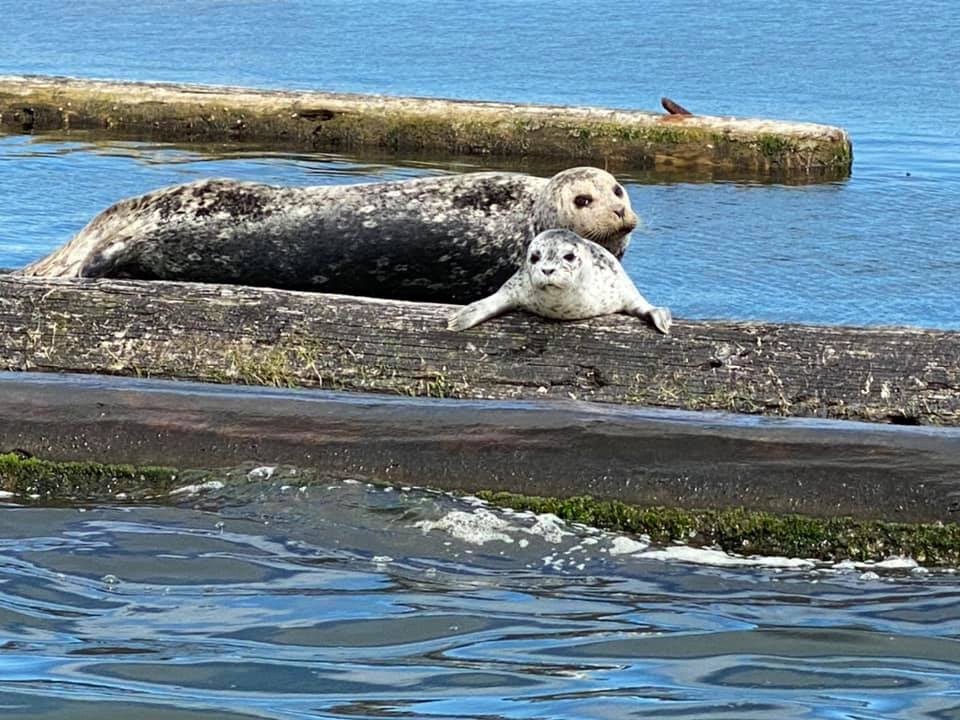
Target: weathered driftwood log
[638,457]
[328,121]
[282,338]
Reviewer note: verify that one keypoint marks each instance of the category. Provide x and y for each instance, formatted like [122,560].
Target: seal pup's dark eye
[581,201]
[569,257]
[618,191]
[534,258]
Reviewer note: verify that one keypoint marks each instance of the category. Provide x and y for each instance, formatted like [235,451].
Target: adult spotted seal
[566,278]
[443,239]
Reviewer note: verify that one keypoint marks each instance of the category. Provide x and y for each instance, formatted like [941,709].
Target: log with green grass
[260,336]
[318,121]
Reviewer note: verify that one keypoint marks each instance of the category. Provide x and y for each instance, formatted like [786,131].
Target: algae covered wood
[773,485]
[283,338]
[333,122]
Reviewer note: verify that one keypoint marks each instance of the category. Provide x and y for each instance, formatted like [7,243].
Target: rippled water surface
[880,252]
[279,598]
[878,248]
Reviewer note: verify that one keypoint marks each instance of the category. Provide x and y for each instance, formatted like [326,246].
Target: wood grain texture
[235,334]
[617,139]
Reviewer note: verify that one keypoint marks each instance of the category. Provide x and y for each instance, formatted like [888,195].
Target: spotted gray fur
[444,239]
[565,277]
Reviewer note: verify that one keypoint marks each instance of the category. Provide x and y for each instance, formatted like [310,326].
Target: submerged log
[234,334]
[177,432]
[336,122]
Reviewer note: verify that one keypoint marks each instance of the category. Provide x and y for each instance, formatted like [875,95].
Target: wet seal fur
[565,278]
[443,239]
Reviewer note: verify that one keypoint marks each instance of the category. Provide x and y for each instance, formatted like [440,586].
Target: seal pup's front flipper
[637,305]
[475,313]
[660,317]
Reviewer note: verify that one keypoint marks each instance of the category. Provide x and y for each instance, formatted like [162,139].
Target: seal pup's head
[555,260]
[590,202]
[564,277]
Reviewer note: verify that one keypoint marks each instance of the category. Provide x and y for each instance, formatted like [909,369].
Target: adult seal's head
[591,203]
[565,277]
[452,238]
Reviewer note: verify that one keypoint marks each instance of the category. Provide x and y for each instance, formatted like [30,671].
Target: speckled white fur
[565,277]
[452,238]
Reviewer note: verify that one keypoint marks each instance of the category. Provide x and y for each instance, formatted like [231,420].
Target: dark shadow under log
[232,334]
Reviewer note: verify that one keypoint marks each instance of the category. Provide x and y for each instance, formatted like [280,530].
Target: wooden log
[805,488]
[234,334]
[642,457]
[335,122]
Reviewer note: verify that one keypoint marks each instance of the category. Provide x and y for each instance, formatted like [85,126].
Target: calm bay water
[879,248]
[263,599]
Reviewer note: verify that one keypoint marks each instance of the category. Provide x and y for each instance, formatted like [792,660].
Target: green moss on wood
[843,156]
[197,114]
[751,532]
[32,477]
[774,147]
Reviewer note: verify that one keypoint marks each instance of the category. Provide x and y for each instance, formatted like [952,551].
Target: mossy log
[735,530]
[828,489]
[337,122]
[235,334]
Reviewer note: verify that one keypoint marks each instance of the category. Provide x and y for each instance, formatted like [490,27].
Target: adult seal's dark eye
[618,191]
[569,257]
[582,201]
[535,258]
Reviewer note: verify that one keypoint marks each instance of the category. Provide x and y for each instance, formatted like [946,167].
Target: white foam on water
[895,563]
[719,558]
[623,545]
[549,527]
[476,528]
[482,525]
[264,472]
[197,487]
[868,568]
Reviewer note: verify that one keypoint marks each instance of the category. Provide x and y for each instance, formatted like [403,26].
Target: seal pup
[451,238]
[565,278]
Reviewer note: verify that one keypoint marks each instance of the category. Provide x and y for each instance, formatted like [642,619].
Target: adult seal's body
[443,239]
[565,277]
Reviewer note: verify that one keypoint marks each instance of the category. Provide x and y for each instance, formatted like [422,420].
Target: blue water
[879,248]
[267,600]
[293,597]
